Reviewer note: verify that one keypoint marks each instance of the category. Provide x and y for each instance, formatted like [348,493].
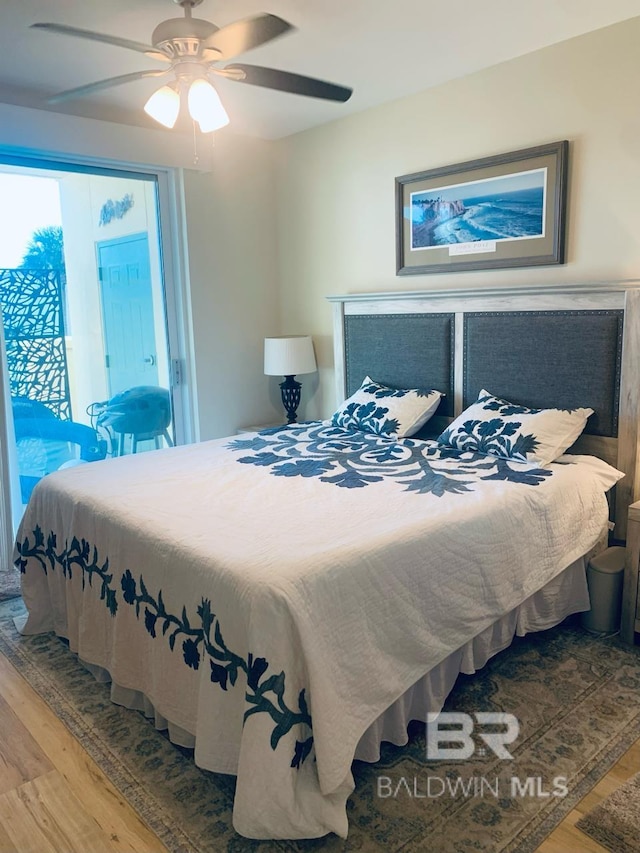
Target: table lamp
[287,356]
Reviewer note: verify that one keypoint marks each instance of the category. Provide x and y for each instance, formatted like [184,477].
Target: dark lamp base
[290,390]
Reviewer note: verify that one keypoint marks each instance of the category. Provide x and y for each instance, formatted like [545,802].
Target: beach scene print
[505,208]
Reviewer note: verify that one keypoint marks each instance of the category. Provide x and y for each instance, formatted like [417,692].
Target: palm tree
[45,250]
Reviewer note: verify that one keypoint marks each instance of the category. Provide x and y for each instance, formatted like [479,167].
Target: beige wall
[231,243]
[336,184]
[43,131]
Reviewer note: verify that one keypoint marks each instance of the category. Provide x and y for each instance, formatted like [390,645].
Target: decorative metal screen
[32,313]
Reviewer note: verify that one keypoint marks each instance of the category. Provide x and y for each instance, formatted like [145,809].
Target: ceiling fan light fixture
[192,48]
[205,106]
[164,106]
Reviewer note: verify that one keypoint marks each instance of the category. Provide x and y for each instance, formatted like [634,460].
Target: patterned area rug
[574,695]
[9,584]
[615,822]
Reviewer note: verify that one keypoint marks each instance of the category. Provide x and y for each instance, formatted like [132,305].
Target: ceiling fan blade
[103,84]
[244,35]
[230,72]
[285,81]
[63,29]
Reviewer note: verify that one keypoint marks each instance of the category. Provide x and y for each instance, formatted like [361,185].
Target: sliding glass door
[86,320]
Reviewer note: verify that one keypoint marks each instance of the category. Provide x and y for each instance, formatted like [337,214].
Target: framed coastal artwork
[497,212]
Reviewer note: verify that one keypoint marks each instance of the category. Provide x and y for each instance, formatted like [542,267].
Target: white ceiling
[382,50]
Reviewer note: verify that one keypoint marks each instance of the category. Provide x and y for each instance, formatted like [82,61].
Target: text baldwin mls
[433,787]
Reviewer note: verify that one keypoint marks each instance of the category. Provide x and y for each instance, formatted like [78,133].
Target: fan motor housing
[182,36]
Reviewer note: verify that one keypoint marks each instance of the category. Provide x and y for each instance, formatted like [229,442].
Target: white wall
[336,213]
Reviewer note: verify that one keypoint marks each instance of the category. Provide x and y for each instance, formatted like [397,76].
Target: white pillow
[388,412]
[500,428]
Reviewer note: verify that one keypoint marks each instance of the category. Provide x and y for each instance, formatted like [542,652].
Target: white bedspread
[298,582]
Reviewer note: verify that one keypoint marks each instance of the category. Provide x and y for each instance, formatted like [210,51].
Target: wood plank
[44,816]
[6,844]
[628,489]
[602,790]
[601,446]
[21,759]
[567,837]
[554,296]
[339,362]
[629,763]
[83,776]
[630,587]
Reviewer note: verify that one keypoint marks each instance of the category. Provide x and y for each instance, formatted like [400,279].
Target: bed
[282,602]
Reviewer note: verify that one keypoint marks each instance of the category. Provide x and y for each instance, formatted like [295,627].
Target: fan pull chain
[196,158]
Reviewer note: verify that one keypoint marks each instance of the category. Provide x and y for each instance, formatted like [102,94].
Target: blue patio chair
[46,444]
[143,412]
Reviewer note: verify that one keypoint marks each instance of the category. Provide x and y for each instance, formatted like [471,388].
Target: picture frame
[493,213]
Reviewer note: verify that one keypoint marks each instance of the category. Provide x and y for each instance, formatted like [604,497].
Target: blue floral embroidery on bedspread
[353,459]
[265,692]
[346,458]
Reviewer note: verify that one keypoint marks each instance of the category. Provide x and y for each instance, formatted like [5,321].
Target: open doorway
[84,316]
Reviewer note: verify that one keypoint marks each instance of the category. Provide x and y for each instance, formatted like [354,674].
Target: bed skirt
[564,595]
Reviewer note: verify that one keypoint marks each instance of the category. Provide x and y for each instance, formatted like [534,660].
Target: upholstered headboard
[560,347]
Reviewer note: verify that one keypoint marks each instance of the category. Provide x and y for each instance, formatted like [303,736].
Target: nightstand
[258,427]
[630,598]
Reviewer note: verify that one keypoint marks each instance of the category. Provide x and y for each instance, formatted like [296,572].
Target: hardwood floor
[55,799]
[566,838]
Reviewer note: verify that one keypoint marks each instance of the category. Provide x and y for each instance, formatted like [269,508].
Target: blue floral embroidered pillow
[514,432]
[392,412]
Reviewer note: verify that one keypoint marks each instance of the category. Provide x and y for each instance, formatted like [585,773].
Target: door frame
[173,260]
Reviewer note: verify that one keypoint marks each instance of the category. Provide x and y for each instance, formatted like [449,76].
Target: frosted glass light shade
[289,356]
[205,106]
[164,106]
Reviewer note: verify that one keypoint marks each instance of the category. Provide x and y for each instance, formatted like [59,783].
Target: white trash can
[605,577]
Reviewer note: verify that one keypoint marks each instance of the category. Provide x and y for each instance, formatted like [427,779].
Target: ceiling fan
[193,49]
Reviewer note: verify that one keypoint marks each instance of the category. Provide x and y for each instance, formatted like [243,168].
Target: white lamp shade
[164,106]
[205,106]
[289,356]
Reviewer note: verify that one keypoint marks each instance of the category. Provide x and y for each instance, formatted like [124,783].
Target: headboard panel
[550,359]
[546,346]
[401,349]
